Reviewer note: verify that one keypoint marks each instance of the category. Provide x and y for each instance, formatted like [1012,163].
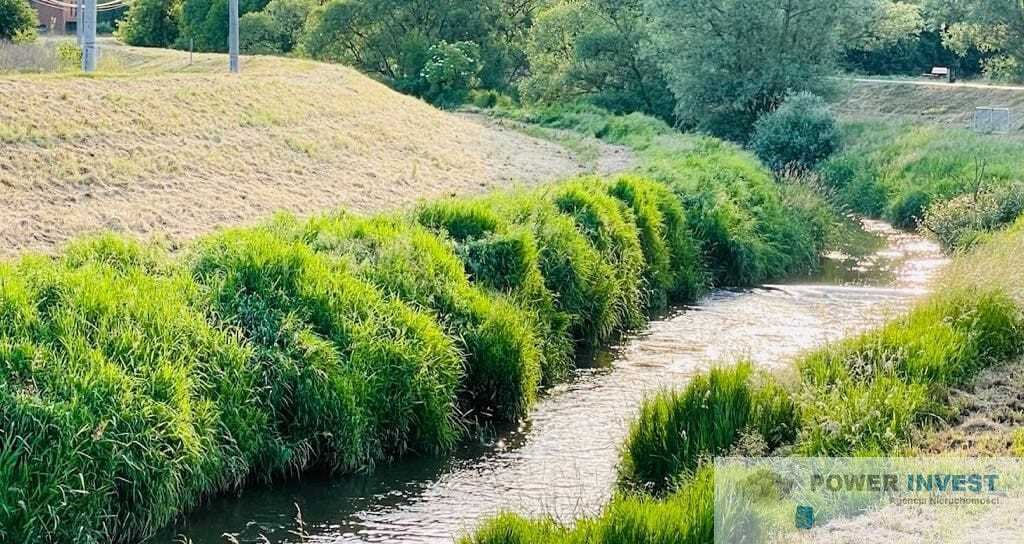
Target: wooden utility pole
[232,36]
[89,36]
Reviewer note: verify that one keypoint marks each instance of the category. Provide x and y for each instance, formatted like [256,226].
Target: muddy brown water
[561,460]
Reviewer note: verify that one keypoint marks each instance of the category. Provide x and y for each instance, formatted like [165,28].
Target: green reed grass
[579,275]
[676,431]
[611,228]
[506,258]
[867,394]
[748,229]
[684,517]
[408,262]
[120,406]
[674,267]
[351,376]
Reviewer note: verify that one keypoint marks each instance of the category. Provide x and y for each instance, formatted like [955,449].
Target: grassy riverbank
[870,395]
[136,383]
[957,184]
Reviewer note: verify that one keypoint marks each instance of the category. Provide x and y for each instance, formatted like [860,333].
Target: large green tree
[17,19]
[150,23]
[730,61]
[393,38]
[598,50]
[206,22]
[995,27]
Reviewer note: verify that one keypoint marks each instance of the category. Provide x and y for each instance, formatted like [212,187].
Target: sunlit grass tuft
[408,262]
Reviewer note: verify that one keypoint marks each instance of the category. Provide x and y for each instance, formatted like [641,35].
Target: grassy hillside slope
[153,144]
[926,102]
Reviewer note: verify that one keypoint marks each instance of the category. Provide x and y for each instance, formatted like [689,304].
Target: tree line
[711,65]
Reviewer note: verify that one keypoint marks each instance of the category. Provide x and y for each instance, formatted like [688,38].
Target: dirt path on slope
[139,174]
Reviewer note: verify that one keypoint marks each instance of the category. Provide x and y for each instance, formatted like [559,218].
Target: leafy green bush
[451,73]
[798,135]
[150,23]
[486,99]
[69,55]
[577,50]
[258,34]
[960,222]
[206,22]
[408,262]
[17,18]
[461,41]
[289,21]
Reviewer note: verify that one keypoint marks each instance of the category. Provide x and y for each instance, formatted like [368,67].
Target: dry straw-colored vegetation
[939,103]
[154,145]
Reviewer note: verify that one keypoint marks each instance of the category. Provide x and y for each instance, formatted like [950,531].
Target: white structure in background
[992,120]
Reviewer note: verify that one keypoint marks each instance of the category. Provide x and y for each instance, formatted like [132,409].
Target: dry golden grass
[154,145]
[936,103]
[999,262]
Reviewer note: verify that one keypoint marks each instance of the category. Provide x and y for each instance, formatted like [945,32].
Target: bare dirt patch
[171,149]
[990,413]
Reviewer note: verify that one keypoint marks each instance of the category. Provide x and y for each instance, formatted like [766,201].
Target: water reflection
[561,461]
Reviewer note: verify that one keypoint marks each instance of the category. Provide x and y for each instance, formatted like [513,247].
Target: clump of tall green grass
[749,230]
[674,268]
[867,394]
[350,376]
[610,226]
[677,431]
[120,406]
[573,268]
[684,517]
[506,258]
[963,221]
[408,262]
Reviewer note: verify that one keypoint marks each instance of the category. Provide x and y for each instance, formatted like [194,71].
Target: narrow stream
[561,461]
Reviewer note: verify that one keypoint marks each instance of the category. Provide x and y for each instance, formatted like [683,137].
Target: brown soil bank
[927,101]
[156,146]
